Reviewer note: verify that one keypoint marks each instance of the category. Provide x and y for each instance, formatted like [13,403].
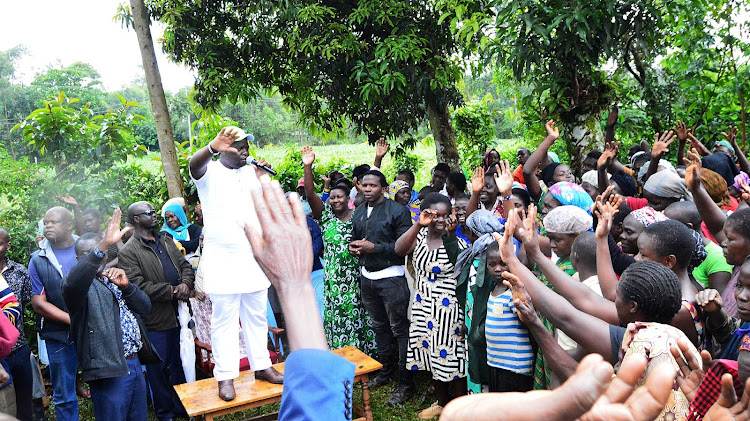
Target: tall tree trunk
[444,135]
[582,135]
[159,108]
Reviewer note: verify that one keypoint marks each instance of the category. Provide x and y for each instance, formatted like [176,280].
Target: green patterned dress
[346,321]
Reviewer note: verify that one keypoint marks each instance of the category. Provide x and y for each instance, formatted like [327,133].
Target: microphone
[252,161]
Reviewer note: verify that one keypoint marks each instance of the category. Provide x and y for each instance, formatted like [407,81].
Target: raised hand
[68,200]
[552,131]
[381,148]
[709,300]
[609,155]
[693,170]
[223,141]
[308,156]
[605,211]
[661,144]
[505,241]
[503,177]
[426,217]
[112,231]
[731,135]
[477,180]
[693,371]
[614,113]
[451,222]
[682,130]
[726,407]
[745,189]
[521,298]
[117,276]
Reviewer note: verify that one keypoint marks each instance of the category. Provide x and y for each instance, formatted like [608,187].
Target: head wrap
[180,233]
[553,157]
[568,220]
[486,161]
[667,184]
[548,172]
[394,188]
[635,157]
[716,187]
[592,177]
[662,163]
[722,164]
[482,223]
[647,216]
[568,193]
[726,144]
[625,182]
[741,177]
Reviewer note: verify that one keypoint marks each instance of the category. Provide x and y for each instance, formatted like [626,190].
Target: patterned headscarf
[699,254]
[647,216]
[592,177]
[716,187]
[667,184]
[635,157]
[568,220]
[662,163]
[741,177]
[726,144]
[482,223]
[568,193]
[396,187]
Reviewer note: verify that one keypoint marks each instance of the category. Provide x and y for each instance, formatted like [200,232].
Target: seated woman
[177,226]
[648,297]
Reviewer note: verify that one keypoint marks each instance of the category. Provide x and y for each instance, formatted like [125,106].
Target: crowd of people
[497,285]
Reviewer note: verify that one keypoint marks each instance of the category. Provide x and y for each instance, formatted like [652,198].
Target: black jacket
[144,269]
[95,321]
[388,221]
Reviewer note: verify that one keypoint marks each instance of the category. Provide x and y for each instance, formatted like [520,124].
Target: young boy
[510,353]
[461,205]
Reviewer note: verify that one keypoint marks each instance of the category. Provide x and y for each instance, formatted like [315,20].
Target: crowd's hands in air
[693,170]
[553,132]
[224,140]
[521,299]
[68,200]
[606,207]
[661,144]
[381,148]
[477,180]
[503,178]
[609,155]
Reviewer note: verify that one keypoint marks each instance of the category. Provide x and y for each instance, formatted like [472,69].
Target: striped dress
[508,344]
[435,340]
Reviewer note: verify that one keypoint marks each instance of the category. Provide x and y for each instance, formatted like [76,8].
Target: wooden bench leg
[366,397]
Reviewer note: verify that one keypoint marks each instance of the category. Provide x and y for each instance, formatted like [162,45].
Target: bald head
[58,226]
[685,212]
[142,215]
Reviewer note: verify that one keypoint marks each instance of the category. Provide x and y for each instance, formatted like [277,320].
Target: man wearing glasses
[154,264]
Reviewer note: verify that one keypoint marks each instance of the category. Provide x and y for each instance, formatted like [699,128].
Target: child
[510,354]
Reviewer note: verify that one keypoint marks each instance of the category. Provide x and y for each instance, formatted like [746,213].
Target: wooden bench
[202,397]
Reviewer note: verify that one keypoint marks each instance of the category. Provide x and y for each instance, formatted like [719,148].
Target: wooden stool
[202,397]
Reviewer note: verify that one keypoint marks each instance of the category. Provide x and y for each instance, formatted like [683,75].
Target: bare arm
[529,168]
[682,131]
[605,212]
[711,214]
[477,184]
[381,148]
[222,142]
[48,310]
[406,243]
[316,204]
[731,136]
[661,146]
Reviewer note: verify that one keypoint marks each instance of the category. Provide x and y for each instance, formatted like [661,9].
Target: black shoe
[381,379]
[401,395]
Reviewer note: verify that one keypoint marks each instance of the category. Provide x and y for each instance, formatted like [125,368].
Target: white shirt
[228,262]
[564,340]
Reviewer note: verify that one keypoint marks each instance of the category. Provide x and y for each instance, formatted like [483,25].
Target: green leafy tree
[79,80]
[476,132]
[383,66]
[15,101]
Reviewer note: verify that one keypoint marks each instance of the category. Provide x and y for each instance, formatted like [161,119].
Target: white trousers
[228,310]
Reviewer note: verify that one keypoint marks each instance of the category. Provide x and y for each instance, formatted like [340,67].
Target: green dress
[346,321]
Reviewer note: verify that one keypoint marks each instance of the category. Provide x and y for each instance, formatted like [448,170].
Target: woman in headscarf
[562,194]
[177,226]
[716,187]
[400,192]
[664,188]
[491,157]
[474,286]
[590,183]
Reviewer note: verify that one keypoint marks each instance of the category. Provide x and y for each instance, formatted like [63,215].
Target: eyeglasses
[148,212]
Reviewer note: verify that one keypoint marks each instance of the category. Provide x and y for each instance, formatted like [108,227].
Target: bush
[291,169]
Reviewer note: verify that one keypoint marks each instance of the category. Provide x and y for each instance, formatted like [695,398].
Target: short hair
[672,237]
[86,237]
[409,175]
[740,222]
[376,173]
[523,195]
[433,199]
[93,212]
[359,171]
[461,196]
[655,289]
[685,212]
[442,167]
[458,179]
[622,212]
[343,181]
[493,248]
[593,154]
[585,247]
[341,187]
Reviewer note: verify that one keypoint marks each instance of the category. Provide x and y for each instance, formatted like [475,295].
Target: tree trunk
[582,135]
[159,108]
[444,135]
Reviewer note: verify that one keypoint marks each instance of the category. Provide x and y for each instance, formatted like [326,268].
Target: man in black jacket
[377,224]
[153,263]
[105,311]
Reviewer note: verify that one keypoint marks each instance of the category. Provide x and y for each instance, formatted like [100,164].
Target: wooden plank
[202,397]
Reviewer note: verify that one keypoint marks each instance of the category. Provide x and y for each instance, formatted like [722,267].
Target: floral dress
[435,339]
[346,321]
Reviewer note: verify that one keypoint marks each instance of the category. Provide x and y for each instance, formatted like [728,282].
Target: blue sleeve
[36,284]
[324,196]
[317,386]
[317,237]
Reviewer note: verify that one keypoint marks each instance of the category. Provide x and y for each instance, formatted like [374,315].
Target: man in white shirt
[236,284]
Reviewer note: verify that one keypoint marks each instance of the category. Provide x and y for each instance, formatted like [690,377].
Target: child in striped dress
[510,353]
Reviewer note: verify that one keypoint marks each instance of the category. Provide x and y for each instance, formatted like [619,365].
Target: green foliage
[475,130]
[405,161]
[291,169]
[71,137]
[79,80]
